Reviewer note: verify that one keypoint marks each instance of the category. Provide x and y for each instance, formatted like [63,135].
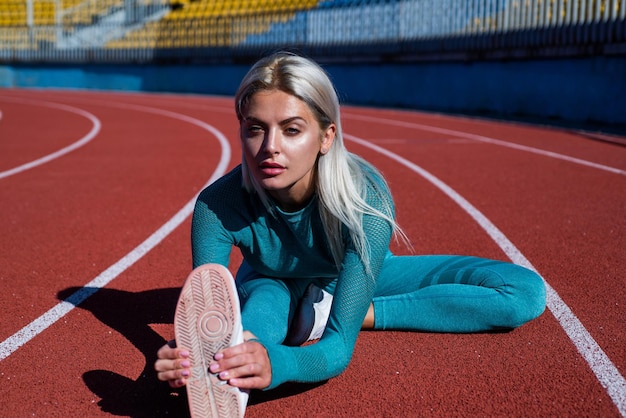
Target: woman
[313,220]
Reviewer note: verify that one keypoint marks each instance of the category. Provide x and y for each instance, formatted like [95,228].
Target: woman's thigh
[265,305]
[406,274]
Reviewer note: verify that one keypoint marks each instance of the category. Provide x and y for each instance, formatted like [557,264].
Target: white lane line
[84,140]
[489,141]
[604,369]
[30,331]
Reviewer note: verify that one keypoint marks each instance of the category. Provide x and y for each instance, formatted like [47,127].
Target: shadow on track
[130,314]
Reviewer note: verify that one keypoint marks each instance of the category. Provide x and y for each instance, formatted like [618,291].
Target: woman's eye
[292,131]
[254,129]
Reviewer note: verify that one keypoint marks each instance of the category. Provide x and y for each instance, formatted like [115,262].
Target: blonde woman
[313,222]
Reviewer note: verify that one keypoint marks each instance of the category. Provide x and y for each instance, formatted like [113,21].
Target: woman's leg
[267,305]
[455,294]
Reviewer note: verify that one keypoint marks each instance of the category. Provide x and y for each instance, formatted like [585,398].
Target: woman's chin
[271,183]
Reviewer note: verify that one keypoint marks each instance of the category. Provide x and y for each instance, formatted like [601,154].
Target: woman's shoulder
[374,179]
[227,190]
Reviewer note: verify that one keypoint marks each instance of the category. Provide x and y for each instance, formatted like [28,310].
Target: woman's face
[281,141]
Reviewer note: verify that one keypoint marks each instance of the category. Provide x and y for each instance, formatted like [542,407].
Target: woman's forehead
[276,103]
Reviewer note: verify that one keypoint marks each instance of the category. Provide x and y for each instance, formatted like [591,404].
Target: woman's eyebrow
[251,119]
[248,119]
[291,119]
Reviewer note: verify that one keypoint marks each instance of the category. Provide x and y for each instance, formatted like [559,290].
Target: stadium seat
[189,23]
[204,23]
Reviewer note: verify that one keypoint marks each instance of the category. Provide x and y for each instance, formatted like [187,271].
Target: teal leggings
[455,294]
[431,293]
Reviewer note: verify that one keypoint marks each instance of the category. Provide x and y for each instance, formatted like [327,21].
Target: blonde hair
[341,177]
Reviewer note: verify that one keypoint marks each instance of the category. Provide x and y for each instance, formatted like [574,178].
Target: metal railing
[153,30]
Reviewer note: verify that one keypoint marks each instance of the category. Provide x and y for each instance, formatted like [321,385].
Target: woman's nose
[272,141]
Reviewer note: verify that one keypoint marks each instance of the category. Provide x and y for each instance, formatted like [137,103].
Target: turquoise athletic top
[293,246]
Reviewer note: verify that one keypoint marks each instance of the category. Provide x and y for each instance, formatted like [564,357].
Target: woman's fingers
[245,365]
[250,383]
[173,365]
[170,350]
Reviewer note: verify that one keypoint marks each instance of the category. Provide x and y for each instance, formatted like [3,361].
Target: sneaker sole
[208,320]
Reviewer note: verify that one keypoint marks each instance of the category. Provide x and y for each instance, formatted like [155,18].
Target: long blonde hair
[342,177]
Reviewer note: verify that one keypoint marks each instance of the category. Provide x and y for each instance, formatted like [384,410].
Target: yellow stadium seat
[204,23]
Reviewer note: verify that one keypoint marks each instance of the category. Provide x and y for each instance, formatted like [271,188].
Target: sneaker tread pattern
[204,323]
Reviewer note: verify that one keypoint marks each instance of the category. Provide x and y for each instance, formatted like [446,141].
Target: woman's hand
[173,365]
[246,365]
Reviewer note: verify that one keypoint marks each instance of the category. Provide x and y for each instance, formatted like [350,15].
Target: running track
[97,189]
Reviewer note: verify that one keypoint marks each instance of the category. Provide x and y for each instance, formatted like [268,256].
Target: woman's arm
[354,292]
[210,241]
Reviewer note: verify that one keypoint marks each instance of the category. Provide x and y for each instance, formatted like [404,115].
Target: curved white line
[84,140]
[489,141]
[31,330]
[604,369]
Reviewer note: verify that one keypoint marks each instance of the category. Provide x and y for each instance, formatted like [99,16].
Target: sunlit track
[74,146]
[489,141]
[24,335]
[433,155]
[602,366]
[121,99]
[604,369]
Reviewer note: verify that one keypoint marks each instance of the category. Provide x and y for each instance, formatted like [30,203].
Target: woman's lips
[271,169]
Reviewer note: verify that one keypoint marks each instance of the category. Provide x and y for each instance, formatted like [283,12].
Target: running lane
[565,217]
[30,129]
[67,220]
[72,218]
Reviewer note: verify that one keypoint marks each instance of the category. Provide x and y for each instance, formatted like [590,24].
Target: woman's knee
[526,293]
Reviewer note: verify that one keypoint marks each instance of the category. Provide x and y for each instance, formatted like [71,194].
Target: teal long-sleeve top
[293,246]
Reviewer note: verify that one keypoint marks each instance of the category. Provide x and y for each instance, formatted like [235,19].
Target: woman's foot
[207,320]
[309,321]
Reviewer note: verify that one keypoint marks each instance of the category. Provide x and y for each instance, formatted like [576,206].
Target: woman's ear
[328,138]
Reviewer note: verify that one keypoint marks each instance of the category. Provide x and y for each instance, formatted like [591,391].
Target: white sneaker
[311,316]
[207,320]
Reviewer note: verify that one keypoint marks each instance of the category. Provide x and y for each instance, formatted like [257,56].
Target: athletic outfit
[285,252]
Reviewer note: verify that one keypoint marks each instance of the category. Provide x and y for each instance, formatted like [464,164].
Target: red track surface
[67,221]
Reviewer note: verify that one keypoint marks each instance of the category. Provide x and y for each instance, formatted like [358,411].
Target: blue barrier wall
[580,90]
[584,90]
[214,79]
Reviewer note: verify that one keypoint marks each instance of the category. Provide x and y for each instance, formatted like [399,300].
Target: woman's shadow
[131,314]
